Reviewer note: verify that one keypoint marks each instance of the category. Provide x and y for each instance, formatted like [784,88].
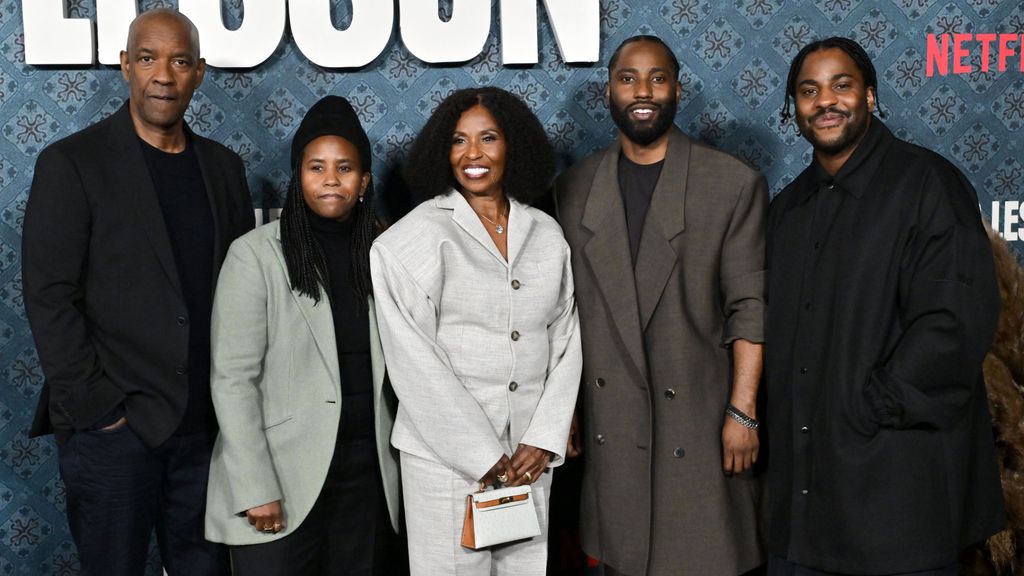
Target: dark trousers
[118,491]
[609,571]
[347,533]
[781,567]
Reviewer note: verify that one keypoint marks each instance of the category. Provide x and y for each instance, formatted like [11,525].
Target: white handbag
[499,516]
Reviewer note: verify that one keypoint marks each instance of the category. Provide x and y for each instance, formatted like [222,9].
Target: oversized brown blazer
[657,367]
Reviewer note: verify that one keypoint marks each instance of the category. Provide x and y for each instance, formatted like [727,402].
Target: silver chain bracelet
[738,415]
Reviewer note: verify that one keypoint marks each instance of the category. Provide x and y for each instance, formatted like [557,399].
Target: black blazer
[100,284]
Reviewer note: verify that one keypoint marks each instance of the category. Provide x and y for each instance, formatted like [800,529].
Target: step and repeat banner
[951,77]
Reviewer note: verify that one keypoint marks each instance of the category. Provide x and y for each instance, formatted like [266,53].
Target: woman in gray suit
[303,481]
[477,318]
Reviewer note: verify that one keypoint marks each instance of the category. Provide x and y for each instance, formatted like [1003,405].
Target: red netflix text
[953,52]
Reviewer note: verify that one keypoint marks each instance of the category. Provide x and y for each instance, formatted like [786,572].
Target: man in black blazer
[127,224]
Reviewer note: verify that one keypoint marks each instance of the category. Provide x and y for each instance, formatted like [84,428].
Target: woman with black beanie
[303,480]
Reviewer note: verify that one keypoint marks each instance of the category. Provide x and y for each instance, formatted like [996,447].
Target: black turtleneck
[351,328]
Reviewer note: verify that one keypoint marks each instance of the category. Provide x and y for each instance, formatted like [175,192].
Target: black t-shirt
[636,184]
[178,181]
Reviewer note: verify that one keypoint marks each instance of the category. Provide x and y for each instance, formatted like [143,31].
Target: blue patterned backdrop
[735,55]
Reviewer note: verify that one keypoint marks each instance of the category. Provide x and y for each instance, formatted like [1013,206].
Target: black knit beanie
[332,116]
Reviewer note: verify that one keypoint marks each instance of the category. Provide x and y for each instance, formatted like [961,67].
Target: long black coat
[882,454]
[101,287]
[657,367]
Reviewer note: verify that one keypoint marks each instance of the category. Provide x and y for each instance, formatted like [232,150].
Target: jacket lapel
[520,222]
[466,219]
[607,251]
[376,354]
[664,221]
[214,192]
[318,317]
[134,178]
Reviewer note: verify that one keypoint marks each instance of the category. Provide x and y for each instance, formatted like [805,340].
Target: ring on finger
[529,477]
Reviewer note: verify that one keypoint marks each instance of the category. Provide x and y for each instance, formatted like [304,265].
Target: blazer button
[679,452]
[515,335]
[804,429]
[179,369]
[803,370]
[182,321]
[670,393]
[600,438]
[599,382]
[516,284]
[513,385]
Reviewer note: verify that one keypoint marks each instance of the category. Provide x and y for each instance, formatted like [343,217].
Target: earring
[360,199]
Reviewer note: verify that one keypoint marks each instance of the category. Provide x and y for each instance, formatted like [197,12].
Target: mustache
[830,110]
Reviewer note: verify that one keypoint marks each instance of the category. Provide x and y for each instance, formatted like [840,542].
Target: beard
[851,133]
[646,131]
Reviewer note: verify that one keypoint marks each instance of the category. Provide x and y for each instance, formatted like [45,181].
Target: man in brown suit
[667,238]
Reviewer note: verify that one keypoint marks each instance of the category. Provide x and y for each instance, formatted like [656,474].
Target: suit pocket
[277,423]
[277,392]
[107,431]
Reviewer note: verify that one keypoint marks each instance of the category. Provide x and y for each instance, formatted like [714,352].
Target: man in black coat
[127,224]
[882,305]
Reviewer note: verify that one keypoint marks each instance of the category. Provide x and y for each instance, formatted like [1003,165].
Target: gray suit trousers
[435,507]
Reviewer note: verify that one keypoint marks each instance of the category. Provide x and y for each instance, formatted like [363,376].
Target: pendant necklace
[497,227]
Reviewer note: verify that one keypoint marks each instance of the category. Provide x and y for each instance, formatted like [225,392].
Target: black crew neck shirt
[636,184]
[178,181]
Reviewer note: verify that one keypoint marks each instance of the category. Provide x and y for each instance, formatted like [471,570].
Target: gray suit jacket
[658,369]
[477,345]
[277,391]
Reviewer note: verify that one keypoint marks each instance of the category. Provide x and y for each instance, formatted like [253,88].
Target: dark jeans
[781,567]
[347,533]
[118,491]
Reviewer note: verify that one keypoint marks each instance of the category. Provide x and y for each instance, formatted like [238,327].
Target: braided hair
[303,255]
[851,48]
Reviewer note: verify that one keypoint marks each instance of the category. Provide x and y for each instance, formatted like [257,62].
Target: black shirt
[178,181]
[351,328]
[882,305]
[636,184]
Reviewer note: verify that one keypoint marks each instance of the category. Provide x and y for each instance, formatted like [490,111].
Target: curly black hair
[852,49]
[529,157]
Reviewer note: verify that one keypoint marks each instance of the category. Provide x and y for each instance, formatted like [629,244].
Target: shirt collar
[856,174]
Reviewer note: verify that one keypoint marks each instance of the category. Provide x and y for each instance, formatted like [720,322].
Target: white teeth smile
[475,172]
[643,113]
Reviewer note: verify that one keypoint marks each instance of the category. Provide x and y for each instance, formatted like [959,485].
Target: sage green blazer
[277,393]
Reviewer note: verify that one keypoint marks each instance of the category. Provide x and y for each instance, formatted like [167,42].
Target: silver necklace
[497,227]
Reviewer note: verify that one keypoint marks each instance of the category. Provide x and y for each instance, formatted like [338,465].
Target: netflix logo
[1007,218]
[947,53]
